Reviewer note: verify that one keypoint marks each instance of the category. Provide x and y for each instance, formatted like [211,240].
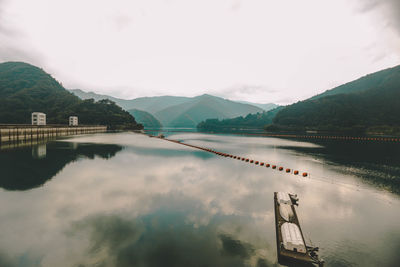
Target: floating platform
[291,248]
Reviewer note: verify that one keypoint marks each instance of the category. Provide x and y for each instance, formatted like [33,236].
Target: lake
[124,199]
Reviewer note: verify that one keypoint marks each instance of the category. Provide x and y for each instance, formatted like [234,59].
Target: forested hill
[370,81]
[25,89]
[371,102]
[251,121]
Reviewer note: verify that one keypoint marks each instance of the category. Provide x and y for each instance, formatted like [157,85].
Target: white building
[73,121]
[38,118]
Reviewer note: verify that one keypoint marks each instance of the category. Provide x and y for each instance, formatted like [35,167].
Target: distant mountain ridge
[266,107]
[148,104]
[145,118]
[176,111]
[202,107]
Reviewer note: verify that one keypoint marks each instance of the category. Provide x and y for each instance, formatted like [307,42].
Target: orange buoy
[256,162]
[242,159]
[247,160]
[296,172]
[251,161]
[273,166]
[280,168]
[234,157]
[261,163]
[267,165]
[288,170]
[305,174]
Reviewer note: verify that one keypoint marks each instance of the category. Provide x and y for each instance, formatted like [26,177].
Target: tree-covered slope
[145,118]
[25,89]
[370,81]
[251,121]
[373,101]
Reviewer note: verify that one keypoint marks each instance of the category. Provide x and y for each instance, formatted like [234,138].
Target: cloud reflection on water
[156,200]
[168,236]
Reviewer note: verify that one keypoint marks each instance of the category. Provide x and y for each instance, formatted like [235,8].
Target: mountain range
[368,104]
[178,111]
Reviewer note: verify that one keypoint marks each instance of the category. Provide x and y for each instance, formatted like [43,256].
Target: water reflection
[157,203]
[39,151]
[164,238]
[376,163]
[26,168]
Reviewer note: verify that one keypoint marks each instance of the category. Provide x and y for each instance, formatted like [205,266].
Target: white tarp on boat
[291,237]
[286,212]
[284,198]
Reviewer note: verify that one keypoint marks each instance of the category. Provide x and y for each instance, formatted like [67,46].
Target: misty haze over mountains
[177,111]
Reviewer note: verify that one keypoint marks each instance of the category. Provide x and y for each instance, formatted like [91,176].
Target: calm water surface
[129,200]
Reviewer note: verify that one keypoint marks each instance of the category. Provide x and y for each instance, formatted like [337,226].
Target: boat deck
[289,257]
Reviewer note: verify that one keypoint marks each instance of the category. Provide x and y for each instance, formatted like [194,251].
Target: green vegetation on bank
[25,89]
[251,121]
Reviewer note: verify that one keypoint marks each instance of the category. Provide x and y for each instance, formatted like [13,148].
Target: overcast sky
[256,50]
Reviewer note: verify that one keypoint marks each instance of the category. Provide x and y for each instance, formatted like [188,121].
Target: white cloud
[181,47]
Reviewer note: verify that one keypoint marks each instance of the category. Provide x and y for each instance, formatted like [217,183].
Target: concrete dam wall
[23,133]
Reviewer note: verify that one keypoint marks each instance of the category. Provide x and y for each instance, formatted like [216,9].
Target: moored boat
[291,247]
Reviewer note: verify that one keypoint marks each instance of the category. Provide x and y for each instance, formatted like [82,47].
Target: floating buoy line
[322,137]
[294,172]
[251,161]
[334,137]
